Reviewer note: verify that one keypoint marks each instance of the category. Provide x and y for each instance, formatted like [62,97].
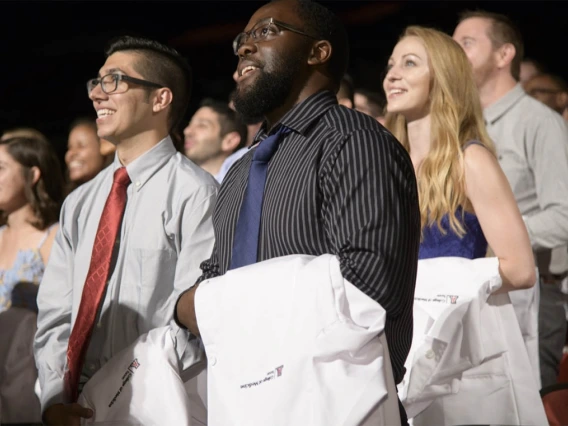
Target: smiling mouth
[104,112]
[247,72]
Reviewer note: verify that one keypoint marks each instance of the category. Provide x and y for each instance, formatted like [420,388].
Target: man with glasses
[551,90]
[336,181]
[130,239]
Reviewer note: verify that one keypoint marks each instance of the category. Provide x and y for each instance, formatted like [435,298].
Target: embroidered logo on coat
[272,374]
[126,378]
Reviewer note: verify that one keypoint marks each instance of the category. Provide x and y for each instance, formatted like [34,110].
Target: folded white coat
[468,363]
[290,342]
[140,385]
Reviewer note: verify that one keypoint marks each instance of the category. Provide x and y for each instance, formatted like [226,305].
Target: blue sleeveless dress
[471,246]
[19,284]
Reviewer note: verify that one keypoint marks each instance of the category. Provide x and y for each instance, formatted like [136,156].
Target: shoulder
[477,156]
[348,127]
[346,122]
[533,112]
[480,165]
[87,189]
[186,178]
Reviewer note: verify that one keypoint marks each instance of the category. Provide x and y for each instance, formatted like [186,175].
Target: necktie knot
[266,149]
[121,176]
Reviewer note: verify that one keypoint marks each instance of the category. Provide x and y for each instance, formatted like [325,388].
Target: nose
[392,75]
[97,93]
[187,130]
[246,48]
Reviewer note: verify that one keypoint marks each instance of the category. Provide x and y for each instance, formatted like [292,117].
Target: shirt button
[91,366]
[138,183]
[430,354]
[212,360]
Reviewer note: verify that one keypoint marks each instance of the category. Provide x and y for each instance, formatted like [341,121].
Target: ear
[320,53]
[36,174]
[230,142]
[505,55]
[163,97]
[562,100]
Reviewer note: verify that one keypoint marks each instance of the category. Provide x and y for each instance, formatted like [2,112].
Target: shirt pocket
[157,269]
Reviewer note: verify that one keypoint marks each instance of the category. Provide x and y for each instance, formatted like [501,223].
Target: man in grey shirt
[141,92]
[532,143]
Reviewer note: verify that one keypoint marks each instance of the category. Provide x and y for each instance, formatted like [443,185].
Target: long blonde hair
[456,118]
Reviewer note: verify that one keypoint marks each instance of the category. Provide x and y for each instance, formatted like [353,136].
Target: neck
[213,165]
[311,87]
[21,217]
[129,149]
[494,89]
[419,140]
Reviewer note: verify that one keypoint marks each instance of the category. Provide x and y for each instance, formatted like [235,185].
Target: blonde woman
[466,202]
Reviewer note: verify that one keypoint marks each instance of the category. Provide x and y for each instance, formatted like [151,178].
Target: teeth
[396,91]
[75,164]
[248,69]
[104,112]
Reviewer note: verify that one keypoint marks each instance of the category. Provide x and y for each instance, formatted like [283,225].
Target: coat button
[430,354]
[212,360]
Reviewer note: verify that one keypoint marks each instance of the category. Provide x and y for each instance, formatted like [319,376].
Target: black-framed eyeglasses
[263,31]
[114,82]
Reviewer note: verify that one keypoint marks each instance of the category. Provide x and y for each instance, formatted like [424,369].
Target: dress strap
[472,142]
[46,235]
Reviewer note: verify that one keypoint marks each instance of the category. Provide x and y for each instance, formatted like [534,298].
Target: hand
[66,415]
[185,310]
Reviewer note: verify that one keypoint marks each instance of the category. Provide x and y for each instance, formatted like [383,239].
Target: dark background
[50,48]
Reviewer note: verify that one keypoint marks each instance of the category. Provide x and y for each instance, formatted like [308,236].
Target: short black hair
[229,120]
[323,24]
[84,121]
[376,101]
[346,89]
[163,65]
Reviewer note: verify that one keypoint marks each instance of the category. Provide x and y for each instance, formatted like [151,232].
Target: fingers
[79,411]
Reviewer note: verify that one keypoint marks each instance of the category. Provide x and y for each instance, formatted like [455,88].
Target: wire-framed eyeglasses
[263,31]
[117,83]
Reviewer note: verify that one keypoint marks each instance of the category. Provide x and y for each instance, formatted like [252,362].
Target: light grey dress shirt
[166,233]
[532,147]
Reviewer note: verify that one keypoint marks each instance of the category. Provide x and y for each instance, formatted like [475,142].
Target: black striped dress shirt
[339,183]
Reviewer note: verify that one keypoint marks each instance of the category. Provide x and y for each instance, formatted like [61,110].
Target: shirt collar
[144,167]
[302,115]
[495,111]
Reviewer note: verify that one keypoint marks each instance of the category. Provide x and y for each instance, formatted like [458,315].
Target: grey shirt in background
[532,147]
[166,233]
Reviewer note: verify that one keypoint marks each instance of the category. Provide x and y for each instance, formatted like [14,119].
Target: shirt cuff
[52,393]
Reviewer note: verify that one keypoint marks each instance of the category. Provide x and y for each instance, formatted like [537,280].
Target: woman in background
[433,109]
[86,154]
[31,192]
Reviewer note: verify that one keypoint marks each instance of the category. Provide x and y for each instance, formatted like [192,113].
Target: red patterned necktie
[95,283]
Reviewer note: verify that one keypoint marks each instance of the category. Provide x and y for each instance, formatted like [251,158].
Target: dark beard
[268,92]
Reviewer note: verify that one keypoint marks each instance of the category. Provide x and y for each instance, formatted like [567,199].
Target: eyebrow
[206,120]
[111,71]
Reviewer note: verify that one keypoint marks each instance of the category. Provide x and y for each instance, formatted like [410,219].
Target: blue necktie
[245,244]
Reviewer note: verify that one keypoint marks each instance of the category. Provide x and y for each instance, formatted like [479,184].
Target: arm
[196,231]
[547,146]
[494,204]
[371,215]
[55,300]
[184,312]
